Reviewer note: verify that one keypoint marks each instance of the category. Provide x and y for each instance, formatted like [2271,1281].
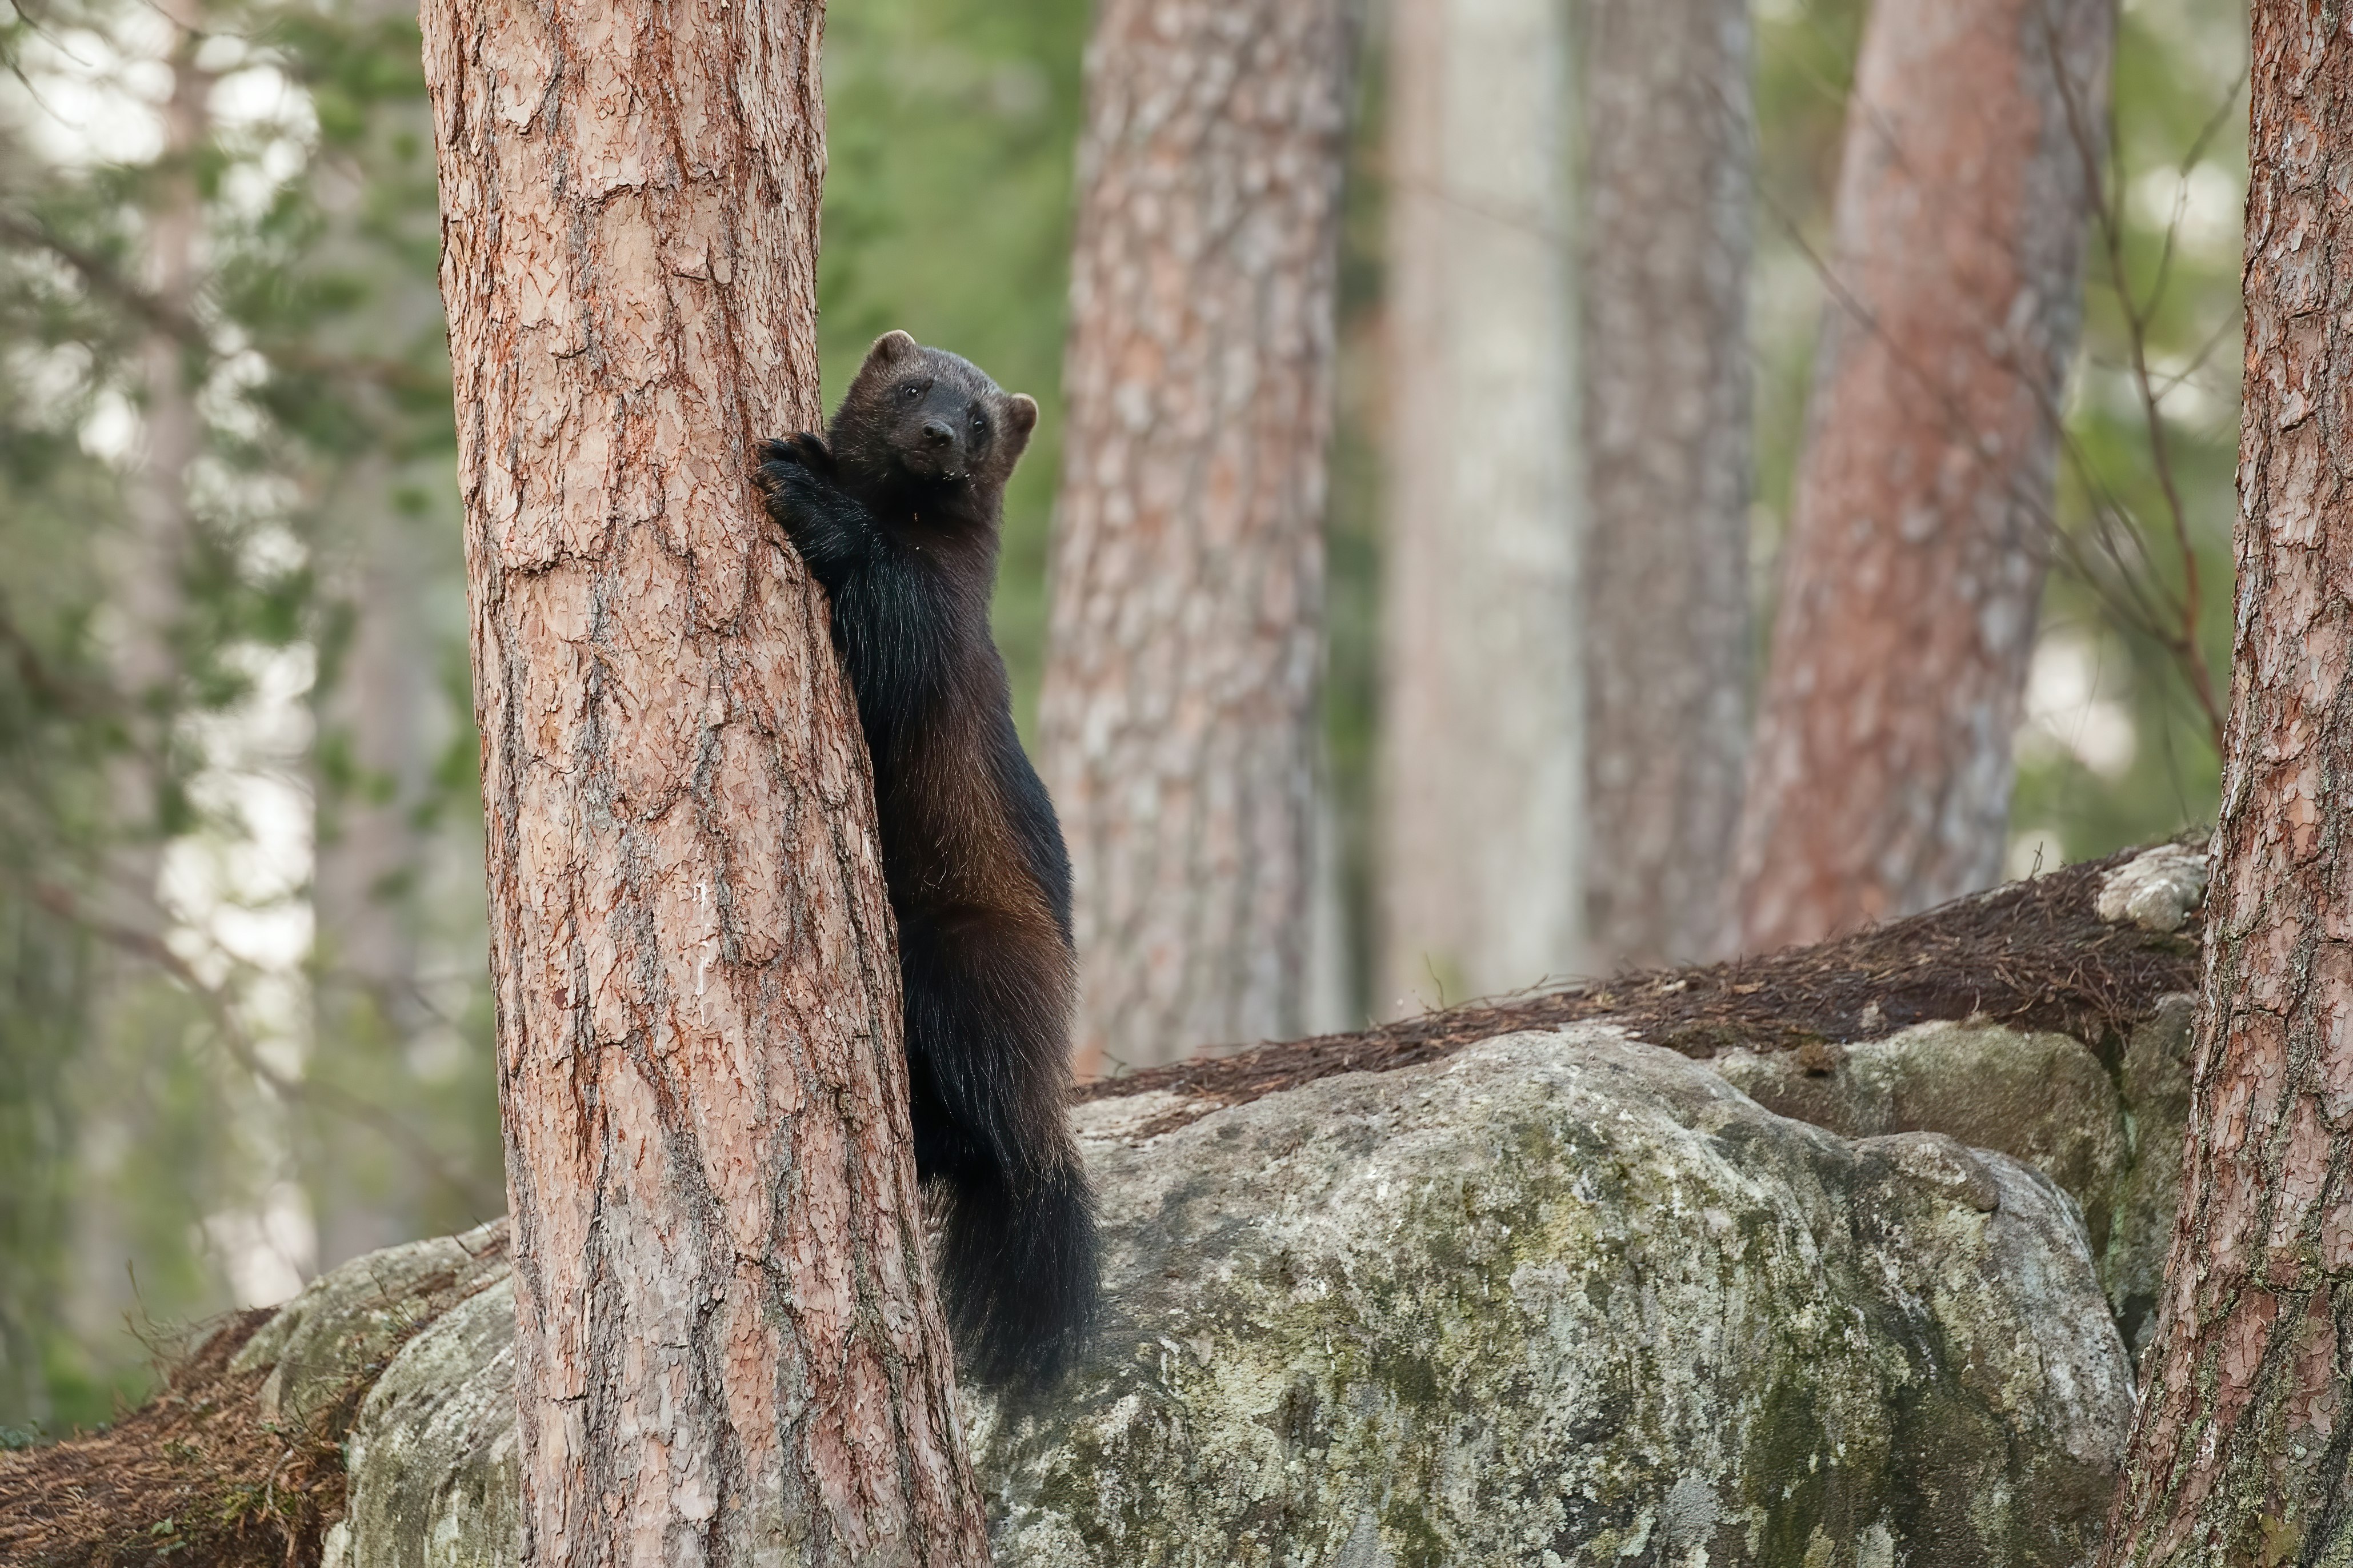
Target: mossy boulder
[1559,1298]
[2108,1129]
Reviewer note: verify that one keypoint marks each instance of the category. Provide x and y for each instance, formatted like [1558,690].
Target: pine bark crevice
[2240,1450]
[727,1347]
[1880,779]
[1179,716]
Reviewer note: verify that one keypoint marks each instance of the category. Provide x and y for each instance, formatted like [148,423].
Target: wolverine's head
[931,415]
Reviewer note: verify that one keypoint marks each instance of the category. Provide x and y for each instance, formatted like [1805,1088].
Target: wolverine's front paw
[791,479]
[802,448]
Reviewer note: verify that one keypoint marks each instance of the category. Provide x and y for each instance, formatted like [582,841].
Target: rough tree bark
[2240,1453]
[1481,763]
[1668,134]
[727,1349]
[1880,782]
[1179,710]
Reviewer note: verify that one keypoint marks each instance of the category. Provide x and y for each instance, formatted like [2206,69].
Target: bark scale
[2240,1453]
[1481,761]
[1180,715]
[727,1349]
[1668,134]
[1881,777]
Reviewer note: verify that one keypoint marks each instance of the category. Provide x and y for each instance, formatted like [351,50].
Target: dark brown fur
[897,513]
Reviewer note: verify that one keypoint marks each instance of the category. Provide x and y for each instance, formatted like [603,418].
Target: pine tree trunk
[2240,1453]
[1481,763]
[727,1349]
[1880,782]
[1664,357]
[1180,711]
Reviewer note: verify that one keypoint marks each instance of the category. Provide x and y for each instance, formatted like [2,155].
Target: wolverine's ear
[1020,419]
[891,348]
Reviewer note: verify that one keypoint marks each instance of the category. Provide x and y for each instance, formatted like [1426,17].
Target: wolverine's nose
[936,433]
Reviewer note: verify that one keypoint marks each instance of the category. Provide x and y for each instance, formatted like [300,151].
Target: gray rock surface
[1558,1298]
[2112,1138]
[2157,890]
[335,1336]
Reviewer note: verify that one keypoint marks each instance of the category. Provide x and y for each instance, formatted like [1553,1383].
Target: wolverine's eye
[979,423]
[912,391]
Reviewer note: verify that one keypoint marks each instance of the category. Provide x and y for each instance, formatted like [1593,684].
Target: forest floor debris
[2035,955]
[194,1476]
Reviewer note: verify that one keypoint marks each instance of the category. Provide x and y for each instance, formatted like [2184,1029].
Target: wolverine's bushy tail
[1018,1272]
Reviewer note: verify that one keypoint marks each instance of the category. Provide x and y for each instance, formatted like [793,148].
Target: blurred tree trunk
[727,1348]
[1880,782]
[374,700]
[147,563]
[2238,1453]
[1179,714]
[1664,258]
[1481,762]
[370,769]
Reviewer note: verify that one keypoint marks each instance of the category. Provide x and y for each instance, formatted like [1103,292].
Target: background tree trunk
[145,594]
[375,704]
[1669,139]
[146,566]
[2240,1451]
[1481,763]
[1180,715]
[370,771]
[1880,782]
[727,1350]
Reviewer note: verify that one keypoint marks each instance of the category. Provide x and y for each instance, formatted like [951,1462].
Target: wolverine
[896,510]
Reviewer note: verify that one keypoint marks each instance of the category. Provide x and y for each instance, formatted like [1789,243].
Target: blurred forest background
[244,1031]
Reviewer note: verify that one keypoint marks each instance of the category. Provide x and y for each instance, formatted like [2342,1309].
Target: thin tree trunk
[2240,1453]
[1481,762]
[727,1348]
[146,566]
[1179,709]
[375,703]
[1664,357]
[1880,782]
[370,774]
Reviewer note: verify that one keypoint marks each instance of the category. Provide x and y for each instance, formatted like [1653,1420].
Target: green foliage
[2139,759]
[166,1111]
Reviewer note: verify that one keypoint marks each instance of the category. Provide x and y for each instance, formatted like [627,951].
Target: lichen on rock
[2109,1132]
[1558,1298]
